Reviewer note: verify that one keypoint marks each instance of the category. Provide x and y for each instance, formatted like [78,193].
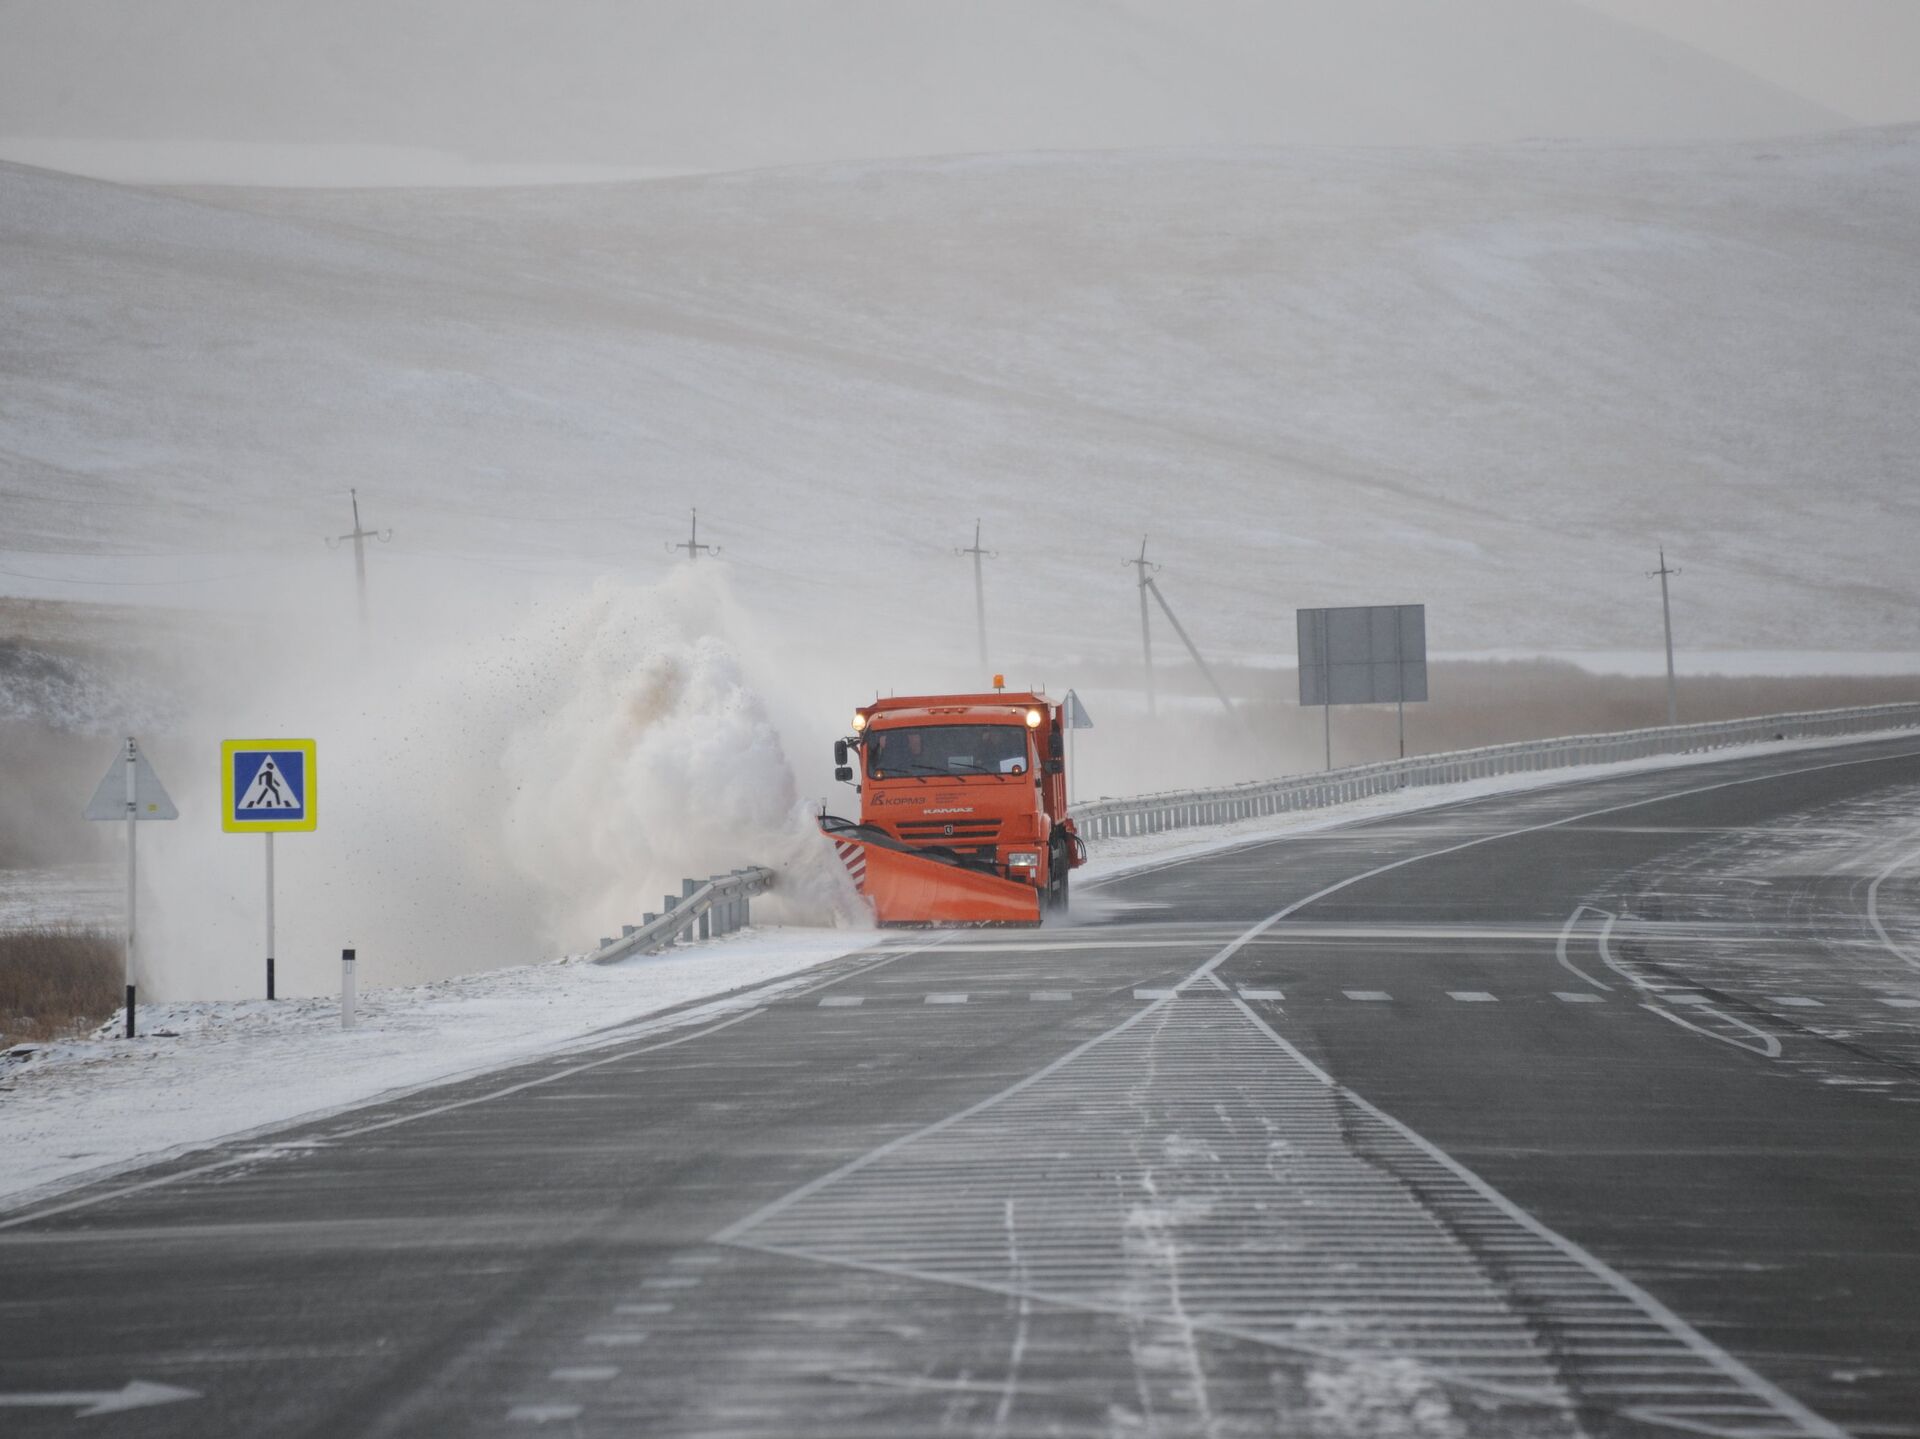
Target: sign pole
[269,839]
[132,830]
[1400,674]
[1326,679]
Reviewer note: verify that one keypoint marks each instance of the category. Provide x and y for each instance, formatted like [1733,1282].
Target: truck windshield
[947,750]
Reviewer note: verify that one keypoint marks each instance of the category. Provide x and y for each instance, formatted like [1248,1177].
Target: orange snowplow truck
[963,809]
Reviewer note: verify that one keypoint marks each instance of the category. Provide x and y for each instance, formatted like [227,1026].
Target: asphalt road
[1587,1111]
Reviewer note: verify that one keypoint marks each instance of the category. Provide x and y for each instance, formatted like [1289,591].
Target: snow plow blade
[909,886]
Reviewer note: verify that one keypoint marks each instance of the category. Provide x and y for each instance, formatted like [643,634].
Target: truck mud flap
[907,886]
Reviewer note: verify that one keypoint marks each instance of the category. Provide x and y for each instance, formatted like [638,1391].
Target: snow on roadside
[205,1071]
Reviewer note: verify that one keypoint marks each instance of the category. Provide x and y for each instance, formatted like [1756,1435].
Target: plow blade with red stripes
[911,886]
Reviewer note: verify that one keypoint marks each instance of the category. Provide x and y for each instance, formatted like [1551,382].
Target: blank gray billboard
[1363,655]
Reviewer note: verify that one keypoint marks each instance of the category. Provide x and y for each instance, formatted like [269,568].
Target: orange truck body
[963,809]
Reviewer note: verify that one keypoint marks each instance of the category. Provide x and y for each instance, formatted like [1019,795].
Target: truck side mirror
[840,755]
[844,773]
[1056,748]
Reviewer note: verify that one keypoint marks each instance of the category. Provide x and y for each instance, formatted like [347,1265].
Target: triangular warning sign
[149,796]
[271,789]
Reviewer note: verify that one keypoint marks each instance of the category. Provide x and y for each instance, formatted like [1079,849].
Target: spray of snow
[497,783]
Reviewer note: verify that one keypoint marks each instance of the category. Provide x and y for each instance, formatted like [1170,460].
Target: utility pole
[1666,614]
[1145,568]
[979,590]
[360,536]
[691,544]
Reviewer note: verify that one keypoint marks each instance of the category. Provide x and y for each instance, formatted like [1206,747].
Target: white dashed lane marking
[841,1001]
[617,1338]
[1373,995]
[1153,994]
[1799,1001]
[585,1374]
[1901,1003]
[671,1281]
[946,999]
[629,1311]
[1051,996]
[1470,996]
[543,1413]
[1570,996]
[1273,994]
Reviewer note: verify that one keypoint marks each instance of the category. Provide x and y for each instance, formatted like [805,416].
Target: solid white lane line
[1243,940]
[842,1001]
[1768,1046]
[1900,952]
[1745,1378]
[1471,996]
[1570,996]
[946,999]
[1566,933]
[253,1156]
[1374,995]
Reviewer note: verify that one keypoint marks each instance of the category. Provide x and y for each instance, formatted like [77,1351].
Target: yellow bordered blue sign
[267,785]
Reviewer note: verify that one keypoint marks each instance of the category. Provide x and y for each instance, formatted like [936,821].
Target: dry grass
[56,981]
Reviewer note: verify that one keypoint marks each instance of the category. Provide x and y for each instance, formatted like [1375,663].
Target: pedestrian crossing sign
[267,785]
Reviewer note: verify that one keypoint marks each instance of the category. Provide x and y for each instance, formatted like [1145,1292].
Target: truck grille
[955,833]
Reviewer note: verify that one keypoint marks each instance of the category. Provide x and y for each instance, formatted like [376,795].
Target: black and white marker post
[131,791]
[268,837]
[346,989]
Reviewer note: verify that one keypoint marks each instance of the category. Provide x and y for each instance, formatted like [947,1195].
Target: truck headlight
[1023,859]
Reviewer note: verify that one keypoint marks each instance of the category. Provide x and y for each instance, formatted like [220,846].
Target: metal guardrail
[703,909]
[1154,813]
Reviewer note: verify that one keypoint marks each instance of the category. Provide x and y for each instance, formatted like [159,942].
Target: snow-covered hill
[129,88]
[1489,378]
